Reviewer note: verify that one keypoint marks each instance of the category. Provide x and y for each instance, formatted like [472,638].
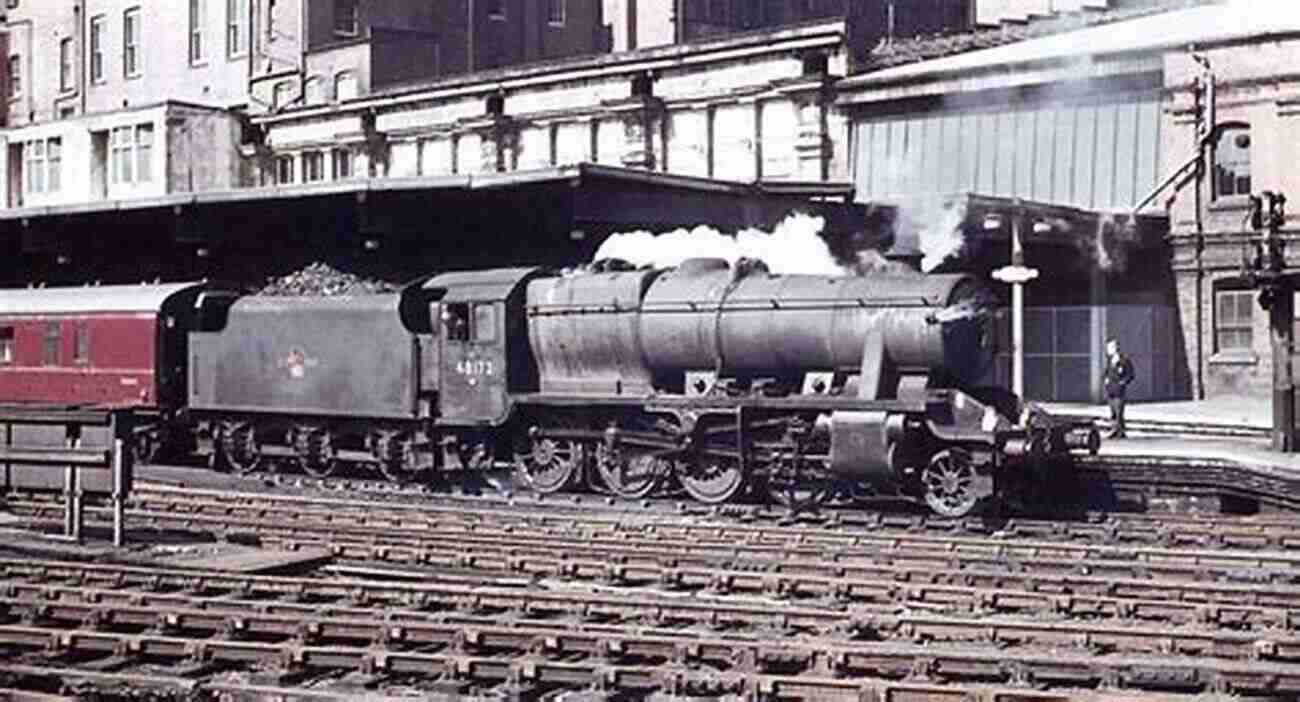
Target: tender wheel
[239,448]
[551,465]
[631,477]
[146,447]
[711,479]
[949,483]
[395,456]
[314,449]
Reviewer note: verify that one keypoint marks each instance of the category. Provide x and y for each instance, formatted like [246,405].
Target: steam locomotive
[708,378]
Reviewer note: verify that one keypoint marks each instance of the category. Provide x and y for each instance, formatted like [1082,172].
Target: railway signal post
[1016,275]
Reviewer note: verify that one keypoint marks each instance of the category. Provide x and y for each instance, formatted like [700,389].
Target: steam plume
[794,246]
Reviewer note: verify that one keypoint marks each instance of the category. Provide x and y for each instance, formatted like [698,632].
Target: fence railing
[116,456]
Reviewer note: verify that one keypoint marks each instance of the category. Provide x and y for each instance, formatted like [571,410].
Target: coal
[322,280]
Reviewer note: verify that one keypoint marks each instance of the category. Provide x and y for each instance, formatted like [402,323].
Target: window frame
[132,63]
[34,166]
[8,344]
[197,10]
[283,163]
[95,56]
[344,8]
[554,19]
[51,342]
[356,86]
[81,343]
[15,68]
[143,148]
[53,164]
[67,81]
[483,327]
[1235,325]
[236,41]
[1221,167]
[342,163]
[313,166]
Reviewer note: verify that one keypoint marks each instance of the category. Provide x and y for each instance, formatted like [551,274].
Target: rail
[116,457]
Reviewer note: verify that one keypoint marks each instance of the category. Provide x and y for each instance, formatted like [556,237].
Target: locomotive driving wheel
[949,483]
[239,447]
[551,465]
[711,479]
[395,455]
[631,475]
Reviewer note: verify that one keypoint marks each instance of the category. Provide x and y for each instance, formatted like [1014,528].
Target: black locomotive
[707,378]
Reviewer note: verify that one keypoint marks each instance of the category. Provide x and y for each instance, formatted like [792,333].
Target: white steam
[795,246]
[934,227]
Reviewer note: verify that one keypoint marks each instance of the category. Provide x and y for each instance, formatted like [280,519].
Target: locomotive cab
[482,350]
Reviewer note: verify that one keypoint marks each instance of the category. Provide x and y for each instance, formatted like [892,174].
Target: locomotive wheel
[239,448]
[146,446]
[798,486]
[949,483]
[551,465]
[631,477]
[711,479]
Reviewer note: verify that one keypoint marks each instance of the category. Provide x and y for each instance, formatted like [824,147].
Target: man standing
[1119,373]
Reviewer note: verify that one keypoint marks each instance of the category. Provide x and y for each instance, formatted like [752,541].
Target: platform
[1227,416]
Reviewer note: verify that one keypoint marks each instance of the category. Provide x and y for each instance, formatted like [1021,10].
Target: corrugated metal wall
[1102,152]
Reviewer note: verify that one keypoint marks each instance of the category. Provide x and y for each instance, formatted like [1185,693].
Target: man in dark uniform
[1119,373]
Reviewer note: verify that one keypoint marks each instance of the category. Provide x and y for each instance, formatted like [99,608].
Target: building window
[54,164]
[497,10]
[132,154]
[131,42]
[196,31]
[346,22]
[313,92]
[15,76]
[1232,161]
[342,163]
[65,63]
[281,95]
[1233,320]
[34,166]
[284,170]
[345,86]
[236,16]
[6,344]
[50,345]
[313,166]
[555,12]
[97,49]
[80,343]
[144,153]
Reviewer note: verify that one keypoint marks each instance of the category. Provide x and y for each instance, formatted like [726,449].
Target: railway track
[561,598]
[594,641]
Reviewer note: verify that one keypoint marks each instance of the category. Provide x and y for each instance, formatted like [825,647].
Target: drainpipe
[470,31]
[83,52]
[1206,125]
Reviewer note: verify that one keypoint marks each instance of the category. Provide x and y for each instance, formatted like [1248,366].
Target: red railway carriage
[112,345]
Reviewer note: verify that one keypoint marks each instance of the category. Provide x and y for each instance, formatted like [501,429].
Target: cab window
[455,318]
[485,322]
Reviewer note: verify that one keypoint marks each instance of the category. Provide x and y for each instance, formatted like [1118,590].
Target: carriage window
[455,317]
[485,322]
[50,345]
[80,343]
[6,344]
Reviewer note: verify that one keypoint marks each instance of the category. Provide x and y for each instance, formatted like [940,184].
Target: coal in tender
[322,280]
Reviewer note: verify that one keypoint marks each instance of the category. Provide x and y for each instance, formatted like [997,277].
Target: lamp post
[1016,275]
